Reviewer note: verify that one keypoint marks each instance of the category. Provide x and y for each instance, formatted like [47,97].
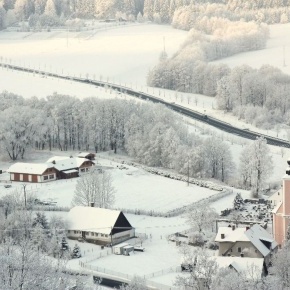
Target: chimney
[242,255]
[247,228]
[53,162]
[288,170]
[92,204]
[233,227]
[222,236]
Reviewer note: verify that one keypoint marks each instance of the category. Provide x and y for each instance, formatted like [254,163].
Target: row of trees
[150,133]
[188,70]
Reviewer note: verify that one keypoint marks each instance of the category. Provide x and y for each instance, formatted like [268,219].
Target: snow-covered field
[124,55]
[135,189]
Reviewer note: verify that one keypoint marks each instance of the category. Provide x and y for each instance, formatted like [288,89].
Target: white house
[251,242]
[99,225]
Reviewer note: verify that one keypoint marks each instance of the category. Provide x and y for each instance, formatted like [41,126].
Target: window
[256,251]
[102,235]
[239,249]
[87,233]
[106,236]
[51,176]
[82,170]
[92,234]
[45,177]
[87,169]
[75,232]
[68,231]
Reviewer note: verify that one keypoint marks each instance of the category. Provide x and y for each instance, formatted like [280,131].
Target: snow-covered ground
[124,55]
[135,189]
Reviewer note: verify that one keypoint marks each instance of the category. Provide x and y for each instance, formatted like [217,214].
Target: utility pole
[24,190]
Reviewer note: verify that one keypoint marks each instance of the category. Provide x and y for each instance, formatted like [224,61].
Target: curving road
[244,133]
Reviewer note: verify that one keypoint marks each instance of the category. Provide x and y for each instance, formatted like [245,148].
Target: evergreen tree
[76,252]
[41,220]
[64,244]
[238,201]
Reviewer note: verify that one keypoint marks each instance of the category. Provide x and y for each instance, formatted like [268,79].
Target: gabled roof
[84,154]
[92,219]
[251,267]
[230,235]
[57,158]
[66,163]
[258,236]
[277,207]
[29,168]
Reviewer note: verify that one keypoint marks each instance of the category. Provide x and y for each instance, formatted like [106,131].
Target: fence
[130,277]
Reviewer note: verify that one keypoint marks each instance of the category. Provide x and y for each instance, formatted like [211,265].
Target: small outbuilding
[98,225]
[87,155]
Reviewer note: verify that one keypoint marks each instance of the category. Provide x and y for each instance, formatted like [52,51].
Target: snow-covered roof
[277,207]
[92,219]
[67,163]
[57,158]
[29,168]
[84,154]
[248,266]
[256,235]
[230,235]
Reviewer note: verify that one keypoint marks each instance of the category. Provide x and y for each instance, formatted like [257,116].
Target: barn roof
[29,168]
[92,219]
[66,163]
[85,154]
[57,158]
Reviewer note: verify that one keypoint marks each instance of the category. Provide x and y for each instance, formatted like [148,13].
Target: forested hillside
[183,13]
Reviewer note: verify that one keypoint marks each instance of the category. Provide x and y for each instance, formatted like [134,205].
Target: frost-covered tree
[204,270]
[201,218]
[95,187]
[137,283]
[24,268]
[18,127]
[259,166]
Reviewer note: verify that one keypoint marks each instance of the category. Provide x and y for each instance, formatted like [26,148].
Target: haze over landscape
[113,80]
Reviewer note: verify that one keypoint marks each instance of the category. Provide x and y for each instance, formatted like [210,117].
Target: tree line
[150,133]
[183,13]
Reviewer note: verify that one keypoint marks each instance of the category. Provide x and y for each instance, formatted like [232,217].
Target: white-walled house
[99,225]
[250,242]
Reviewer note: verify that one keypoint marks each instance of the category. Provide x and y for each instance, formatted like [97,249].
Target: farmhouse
[69,167]
[254,242]
[98,225]
[31,172]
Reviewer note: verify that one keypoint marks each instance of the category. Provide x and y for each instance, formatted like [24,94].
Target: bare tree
[137,283]
[201,218]
[203,270]
[95,187]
